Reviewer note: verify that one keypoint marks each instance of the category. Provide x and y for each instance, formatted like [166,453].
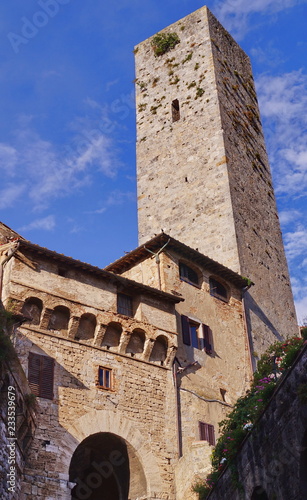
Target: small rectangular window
[196,334]
[41,375]
[124,304]
[206,433]
[104,378]
[175,110]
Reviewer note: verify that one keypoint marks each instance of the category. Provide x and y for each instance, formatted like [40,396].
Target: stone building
[134,365]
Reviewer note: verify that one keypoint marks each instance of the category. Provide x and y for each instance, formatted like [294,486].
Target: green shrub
[163,42]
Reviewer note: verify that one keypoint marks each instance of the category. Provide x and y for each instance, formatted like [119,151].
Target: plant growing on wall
[164,42]
[272,366]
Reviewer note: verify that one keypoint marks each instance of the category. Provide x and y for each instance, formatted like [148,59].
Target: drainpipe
[248,332]
[157,259]
[6,252]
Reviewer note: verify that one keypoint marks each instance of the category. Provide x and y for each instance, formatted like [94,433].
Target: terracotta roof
[128,284]
[141,253]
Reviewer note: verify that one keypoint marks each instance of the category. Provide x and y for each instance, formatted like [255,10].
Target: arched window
[86,328]
[112,336]
[159,350]
[32,309]
[136,342]
[188,274]
[59,319]
[218,290]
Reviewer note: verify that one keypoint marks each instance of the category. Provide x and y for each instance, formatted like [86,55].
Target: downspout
[178,410]
[157,259]
[247,328]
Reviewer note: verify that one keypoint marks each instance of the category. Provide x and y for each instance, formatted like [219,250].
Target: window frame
[187,279]
[204,340]
[206,433]
[122,309]
[106,386]
[216,294]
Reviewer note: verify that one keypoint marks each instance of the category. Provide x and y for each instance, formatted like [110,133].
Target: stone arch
[32,309]
[86,327]
[136,342]
[104,421]
[105,466]
[59,319]
[112,335]
[159,350]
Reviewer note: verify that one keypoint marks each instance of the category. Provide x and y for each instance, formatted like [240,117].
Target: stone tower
[202,166]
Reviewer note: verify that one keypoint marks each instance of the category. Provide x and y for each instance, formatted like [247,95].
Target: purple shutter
[207,339]
[206,433]
[185,329]
[211,435]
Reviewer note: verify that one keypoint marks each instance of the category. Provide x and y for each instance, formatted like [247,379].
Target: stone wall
[139,409]
[16,433]
[205,178]
[273,460]
[207,389]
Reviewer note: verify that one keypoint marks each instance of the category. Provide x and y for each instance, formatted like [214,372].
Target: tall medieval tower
[202,166]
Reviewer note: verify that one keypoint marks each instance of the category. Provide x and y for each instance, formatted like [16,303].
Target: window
[206,433]
[59,319]
[124,304]
[196,334]
[104,378]
[218,290]
[40,375]
[175,110]
[188,274]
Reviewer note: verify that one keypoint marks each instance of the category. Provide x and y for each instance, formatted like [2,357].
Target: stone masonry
[204,178]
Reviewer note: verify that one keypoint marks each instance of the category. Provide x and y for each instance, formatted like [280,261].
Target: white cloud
[8,158]
[43,172]
[235,14]
[10,194]
[288,216]
[295,242]
[283,102]
[46,223]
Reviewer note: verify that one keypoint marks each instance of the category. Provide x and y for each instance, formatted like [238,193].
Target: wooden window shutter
[206,433]
[46,389]
[211,435]
[207,339]
[185,328]
[34,373]
[40,375]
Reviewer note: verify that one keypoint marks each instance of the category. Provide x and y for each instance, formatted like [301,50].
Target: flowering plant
[272,365]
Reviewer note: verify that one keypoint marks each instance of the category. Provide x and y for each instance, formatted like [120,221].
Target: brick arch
[97,421]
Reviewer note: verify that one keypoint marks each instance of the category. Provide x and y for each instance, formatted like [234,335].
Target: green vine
[272,365]
[164,42]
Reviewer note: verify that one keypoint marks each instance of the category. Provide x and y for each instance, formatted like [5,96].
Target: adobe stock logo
[100,471]
[30,27]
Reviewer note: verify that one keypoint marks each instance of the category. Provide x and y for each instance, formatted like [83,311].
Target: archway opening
[259,494]
[106,466]
[303,467]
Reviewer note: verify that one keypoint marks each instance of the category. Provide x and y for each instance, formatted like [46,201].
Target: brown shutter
[185,328]
[40,375]
[34,373]
[207,339]
[211,435]
[206,433]
[47,371]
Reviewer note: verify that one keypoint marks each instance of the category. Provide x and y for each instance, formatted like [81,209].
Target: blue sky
[67,117]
